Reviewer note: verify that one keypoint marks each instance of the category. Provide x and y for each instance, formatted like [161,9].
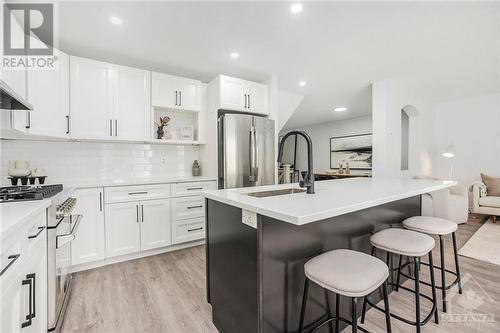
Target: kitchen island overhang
[255,275]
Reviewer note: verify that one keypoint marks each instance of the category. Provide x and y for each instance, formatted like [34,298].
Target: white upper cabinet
[108,102]
[241,95]
[91,99]
[48,92]
[131,103]
[175,92]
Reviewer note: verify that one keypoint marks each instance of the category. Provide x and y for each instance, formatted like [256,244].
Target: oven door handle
[61,240]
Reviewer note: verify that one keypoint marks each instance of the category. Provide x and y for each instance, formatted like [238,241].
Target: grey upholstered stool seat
[440,227]
[347,272]
[430,225]
[403,242]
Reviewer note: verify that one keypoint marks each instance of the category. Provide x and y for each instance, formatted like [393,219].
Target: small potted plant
[163,122]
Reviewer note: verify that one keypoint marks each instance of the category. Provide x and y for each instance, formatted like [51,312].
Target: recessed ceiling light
[234,55]
[296,8]
[340,109]
[115,20]
[302,83]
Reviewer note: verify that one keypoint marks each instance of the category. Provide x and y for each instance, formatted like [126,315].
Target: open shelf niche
[182,124]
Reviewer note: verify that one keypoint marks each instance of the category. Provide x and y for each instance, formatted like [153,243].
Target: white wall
[320,135]
[473,127]
[288,103]
[74,162]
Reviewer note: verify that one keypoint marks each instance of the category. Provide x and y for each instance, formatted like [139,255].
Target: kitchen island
[259,238]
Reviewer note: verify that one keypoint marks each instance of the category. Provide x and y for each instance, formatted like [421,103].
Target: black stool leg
[354,314]
[433,287]
[337,312]
[328,311]
[457,266]
[388,262]
[417,294]
[443,276]
[304,303]
[399,272]
[363,309]
[386,306]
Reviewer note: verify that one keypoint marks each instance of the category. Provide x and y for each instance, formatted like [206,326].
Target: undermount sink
[273,193]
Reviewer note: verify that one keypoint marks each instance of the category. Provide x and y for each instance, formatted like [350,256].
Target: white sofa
[451,204]
[487,205]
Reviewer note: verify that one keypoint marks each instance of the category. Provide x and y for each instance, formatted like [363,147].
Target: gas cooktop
[25,193]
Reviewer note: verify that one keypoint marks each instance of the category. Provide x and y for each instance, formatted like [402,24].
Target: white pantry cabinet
[48,92]
[122,228]
[241,95]
[88,246]
[175,92]
[108,102]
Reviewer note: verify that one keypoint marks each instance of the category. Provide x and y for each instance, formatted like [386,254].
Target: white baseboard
[132,256]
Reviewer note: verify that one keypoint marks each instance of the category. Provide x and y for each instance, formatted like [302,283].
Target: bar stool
[414,245]
[346,273]
[440,227]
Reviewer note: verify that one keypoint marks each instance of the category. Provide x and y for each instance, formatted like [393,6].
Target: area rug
[484,245]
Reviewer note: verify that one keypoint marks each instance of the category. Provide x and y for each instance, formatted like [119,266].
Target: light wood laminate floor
[166,293]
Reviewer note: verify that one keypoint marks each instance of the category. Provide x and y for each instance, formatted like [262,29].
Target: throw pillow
[492,184]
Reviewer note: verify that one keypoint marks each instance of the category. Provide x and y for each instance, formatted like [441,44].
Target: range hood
[11,101]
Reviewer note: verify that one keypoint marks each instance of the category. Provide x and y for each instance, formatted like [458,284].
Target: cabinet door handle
[12,258]
[100,201]
[137,216]
[111,127]
[33,277]
[193,207]
[176,98]
[116,127]
[40,229]
[249,101]
[194,188]
[67,124]
[28,123]
[141,192]
[142,213]
[245,101]
[195,229]
[28,281]
[180,98]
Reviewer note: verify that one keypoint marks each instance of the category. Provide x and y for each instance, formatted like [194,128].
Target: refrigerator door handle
[253,155]
[256,149]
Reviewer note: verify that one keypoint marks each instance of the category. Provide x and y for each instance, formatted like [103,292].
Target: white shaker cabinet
[122,228]
[155,224]
[89,245]
[131,109]
[91,99]
[241,95]
[48,92]
[173,92]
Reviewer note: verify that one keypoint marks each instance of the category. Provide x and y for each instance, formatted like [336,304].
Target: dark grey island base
[255,277]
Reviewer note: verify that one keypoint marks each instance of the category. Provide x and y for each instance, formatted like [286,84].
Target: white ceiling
[339,48]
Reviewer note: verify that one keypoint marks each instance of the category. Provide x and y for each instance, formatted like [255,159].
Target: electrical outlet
[163,160]
[249,218]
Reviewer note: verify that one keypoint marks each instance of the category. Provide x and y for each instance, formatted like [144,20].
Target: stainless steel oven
[62,228]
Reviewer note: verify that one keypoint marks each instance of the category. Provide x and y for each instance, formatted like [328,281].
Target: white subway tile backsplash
[89,161]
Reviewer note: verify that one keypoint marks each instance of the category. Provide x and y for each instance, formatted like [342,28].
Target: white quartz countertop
[76,183]
[332,197]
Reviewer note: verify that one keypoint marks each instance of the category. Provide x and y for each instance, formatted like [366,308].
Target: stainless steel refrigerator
[246,150]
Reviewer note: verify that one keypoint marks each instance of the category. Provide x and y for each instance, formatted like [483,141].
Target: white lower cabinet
[122,228]
[188,230]
[137,226]
[155,224]
[23,292]
[88,246]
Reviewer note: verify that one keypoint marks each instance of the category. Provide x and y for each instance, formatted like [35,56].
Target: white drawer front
[188,230]
[188,207]
[193,188]
[136,193]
